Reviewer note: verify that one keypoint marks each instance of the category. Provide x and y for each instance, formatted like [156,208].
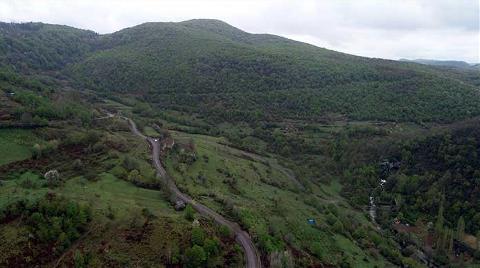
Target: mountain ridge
[251,74]
[446,63]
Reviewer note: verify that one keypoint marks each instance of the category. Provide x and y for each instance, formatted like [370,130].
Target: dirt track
[252,257]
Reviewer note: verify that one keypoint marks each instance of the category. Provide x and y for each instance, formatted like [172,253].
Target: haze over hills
[447,63]
[290,145]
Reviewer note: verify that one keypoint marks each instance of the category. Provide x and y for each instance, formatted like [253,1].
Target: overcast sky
[393,29]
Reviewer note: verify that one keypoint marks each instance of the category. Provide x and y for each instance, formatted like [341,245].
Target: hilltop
[218,70]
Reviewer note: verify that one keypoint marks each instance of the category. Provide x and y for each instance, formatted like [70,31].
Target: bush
[53,178]
[135,176]
[81,260]
[29,180]
[52,220]
[189,212]
[338,227]
[408,251]
[91,175]
[195,256]
[198,236]
[77,164]
[82,138]
[476,254]
[130,163]
[211,246]
[39,150]
[331,219]
[225,232]
[391,254]
[119,172]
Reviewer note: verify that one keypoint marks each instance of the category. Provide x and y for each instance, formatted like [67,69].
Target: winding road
[252,256]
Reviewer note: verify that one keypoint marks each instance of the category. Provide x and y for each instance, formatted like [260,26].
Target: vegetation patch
[15,145]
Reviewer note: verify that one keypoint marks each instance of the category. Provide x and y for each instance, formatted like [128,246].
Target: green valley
[196,144]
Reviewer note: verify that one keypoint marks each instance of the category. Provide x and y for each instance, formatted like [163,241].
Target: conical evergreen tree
[439,229]
[460,229]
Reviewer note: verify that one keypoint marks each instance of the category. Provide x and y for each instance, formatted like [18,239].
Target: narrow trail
[252,256]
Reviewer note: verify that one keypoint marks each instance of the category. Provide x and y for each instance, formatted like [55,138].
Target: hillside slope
[227,74]
[243,77]
[38,46]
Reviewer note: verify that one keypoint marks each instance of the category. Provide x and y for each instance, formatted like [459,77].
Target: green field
[15,145]
[151,132]
[123,197]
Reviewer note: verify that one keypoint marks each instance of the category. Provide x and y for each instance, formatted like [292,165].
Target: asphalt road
[252,256]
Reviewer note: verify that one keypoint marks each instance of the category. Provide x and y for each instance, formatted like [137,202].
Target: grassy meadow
[15,145]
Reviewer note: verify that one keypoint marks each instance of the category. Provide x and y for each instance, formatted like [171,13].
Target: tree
[195,256]
[450,241]
[77,164]
[198,236]
[478,240]
[37,151]
[211,246]
[37,120]
[135,176]
[189,212]
[440,219]
[338,227]
[225,231]
[460,229]
[130,163]
[26,118]
[53,178]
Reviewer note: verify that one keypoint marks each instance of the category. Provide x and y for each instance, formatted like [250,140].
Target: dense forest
[212,68]
[441,169]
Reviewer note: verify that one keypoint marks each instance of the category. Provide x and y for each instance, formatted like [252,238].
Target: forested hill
[446,63]
[37,46]
[212,68]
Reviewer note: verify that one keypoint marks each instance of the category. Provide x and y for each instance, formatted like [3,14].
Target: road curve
[252,256]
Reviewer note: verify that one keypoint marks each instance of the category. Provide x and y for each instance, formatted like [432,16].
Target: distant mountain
[446,63]
[214,69]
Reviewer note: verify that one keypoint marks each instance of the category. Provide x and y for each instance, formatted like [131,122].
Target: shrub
[225,232]
[195,256]
[269,244]
[338,227]
[81,260]
[39,150]
[53,178]
[130,163]
[56,220]
[198,236]
[391,254]
[476,254]
[91,175]
[211,246]
[189,212]
[331,219]
[77,164]
[147,214]
[119,172]
[135,176]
